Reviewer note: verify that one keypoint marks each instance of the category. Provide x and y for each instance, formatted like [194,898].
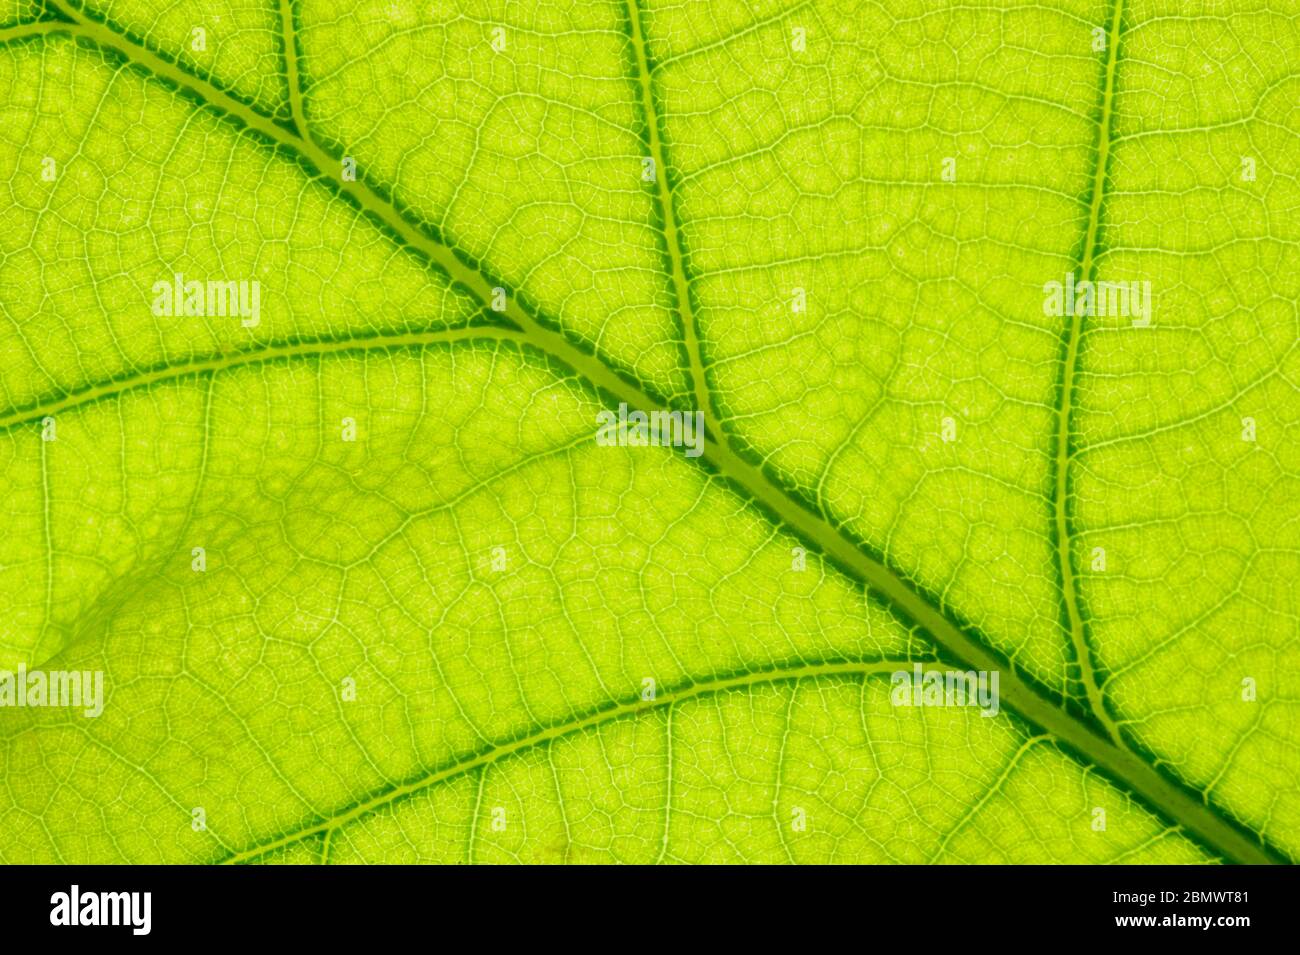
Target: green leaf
[361,581]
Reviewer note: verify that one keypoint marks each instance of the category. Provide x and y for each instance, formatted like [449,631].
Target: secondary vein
[289,37]
[264,354]
[672,233]
[480,761]
[1061,459]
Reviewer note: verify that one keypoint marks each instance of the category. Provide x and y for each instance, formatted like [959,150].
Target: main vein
[1061,459]
[1187,809]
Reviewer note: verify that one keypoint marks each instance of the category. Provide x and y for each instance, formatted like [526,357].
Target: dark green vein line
[289,38]
[1065,397]
[1182,806]
[482,760]
[672,234]
[252,356]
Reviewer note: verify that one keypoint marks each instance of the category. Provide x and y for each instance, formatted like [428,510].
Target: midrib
[1183,807]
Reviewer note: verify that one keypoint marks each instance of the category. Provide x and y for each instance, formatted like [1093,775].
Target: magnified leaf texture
[648,431]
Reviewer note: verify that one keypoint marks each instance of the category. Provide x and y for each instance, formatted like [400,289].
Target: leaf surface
[432,643]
